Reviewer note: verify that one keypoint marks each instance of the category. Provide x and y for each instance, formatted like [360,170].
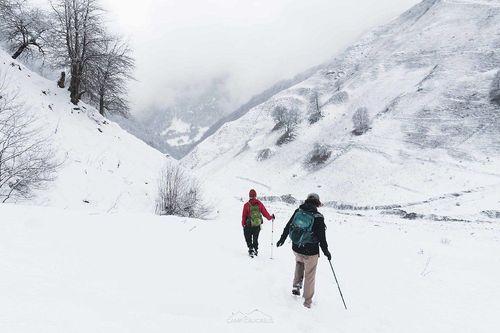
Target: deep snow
[62,271]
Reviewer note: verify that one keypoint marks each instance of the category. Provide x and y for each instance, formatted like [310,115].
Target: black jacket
[318,230]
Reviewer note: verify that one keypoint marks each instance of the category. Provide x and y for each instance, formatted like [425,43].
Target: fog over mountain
[407,117]
[233,50]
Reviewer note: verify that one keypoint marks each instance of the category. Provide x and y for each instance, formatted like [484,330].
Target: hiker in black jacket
[307,253]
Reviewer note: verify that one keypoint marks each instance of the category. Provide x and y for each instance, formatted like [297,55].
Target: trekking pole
[272,236]
[338,286]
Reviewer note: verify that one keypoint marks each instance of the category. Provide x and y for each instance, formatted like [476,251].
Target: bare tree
[179,194]
[287,119]
[26,160]
[77,33]
[278,115]
[23,27]
[361,121]
[108,74]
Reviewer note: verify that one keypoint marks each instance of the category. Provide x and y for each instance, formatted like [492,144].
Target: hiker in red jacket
[251,221]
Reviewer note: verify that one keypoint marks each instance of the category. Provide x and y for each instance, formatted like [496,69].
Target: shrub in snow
[26,159]
[318,156]
[179,194]
[492,214]
[361,121]
[315,117]
[285,138]
[264,154]
[315,109]
[289,199]
[495,89]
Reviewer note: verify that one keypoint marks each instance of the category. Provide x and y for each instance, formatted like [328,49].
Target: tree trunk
[62,80]
[101,104]
[74,86]
[19,50]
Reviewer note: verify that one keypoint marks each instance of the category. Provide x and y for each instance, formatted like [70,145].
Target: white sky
[253,42]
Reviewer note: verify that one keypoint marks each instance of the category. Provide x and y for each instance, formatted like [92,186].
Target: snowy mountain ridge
[425,82]
[103,168]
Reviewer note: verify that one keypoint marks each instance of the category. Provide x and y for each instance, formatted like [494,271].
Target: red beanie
[252,194]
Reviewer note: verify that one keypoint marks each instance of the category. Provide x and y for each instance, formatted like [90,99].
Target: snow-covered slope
[103,167]
[434,142]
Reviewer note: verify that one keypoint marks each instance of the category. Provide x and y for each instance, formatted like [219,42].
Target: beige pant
[305,271]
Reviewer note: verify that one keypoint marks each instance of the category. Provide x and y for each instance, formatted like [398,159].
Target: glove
[280,243]
[328,255]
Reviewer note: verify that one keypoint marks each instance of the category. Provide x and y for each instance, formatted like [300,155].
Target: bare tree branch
[110,70]
[24,27]
[26,160]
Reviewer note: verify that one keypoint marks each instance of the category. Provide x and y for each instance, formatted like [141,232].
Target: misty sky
[185,44]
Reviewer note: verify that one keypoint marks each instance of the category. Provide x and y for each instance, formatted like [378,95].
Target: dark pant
[252,237]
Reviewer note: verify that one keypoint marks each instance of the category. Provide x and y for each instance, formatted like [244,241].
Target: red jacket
[246,210]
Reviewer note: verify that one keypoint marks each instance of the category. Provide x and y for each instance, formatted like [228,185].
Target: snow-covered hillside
[103,167]
[433,147]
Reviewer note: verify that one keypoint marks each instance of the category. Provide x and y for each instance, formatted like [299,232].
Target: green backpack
[301,232]
[255,218]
